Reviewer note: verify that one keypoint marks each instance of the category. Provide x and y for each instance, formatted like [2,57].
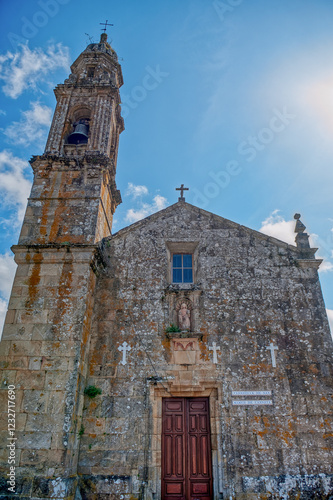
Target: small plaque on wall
[251,393]
[184,351]
[252,402]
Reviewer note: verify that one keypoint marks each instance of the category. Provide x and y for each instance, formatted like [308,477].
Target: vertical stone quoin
[46,334]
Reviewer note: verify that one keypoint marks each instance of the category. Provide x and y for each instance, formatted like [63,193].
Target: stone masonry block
[25,348]
[57,380]
[38,423]
[60,348]
[30,379]
[35,401]
[34,440]
[35,363]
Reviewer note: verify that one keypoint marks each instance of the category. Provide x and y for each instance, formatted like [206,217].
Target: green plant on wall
[92,391]
[172,328]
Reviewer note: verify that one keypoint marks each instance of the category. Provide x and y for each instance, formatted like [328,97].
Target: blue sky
[239,107]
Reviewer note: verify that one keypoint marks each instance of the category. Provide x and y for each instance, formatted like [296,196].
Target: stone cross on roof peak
[182,189]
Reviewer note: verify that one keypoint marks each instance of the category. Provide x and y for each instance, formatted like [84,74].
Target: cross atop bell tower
[105,25]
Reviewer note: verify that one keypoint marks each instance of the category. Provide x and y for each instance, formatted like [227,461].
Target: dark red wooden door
[186,451]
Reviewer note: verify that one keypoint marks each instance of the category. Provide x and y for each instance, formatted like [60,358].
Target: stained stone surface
[250,292]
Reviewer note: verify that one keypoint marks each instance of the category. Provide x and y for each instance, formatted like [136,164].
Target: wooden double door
[186,449]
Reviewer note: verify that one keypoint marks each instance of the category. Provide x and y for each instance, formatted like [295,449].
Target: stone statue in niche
[184,317]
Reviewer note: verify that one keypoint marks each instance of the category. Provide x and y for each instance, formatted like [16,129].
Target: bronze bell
[80,134]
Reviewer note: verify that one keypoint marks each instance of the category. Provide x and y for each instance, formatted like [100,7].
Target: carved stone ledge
[182,288]
[305,263]
[184,335]
[76,158]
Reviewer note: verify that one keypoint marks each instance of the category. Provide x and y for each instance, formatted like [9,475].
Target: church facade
[185,357]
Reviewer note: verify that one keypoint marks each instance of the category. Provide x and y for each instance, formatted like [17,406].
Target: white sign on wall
[251,393]
[247,402]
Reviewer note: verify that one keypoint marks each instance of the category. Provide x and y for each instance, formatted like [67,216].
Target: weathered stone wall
[72,200]
[43,354]
[250,291]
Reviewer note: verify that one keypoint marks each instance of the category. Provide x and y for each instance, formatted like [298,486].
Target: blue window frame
[182,268]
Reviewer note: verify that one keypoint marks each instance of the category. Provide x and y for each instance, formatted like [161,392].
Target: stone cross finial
[272,348]
[214,348]
[124,348]
[182,189]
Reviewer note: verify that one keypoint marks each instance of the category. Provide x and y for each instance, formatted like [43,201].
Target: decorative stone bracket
[185,351]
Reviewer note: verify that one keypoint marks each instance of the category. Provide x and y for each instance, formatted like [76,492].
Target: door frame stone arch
[169,389]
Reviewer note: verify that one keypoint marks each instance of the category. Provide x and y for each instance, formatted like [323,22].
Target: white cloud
[2,112]
[325,266]
[136,191]
[25,68]
[330,319]
[276,226]
[133,215]
[160,202]
[14,187]
[32,128]
[3,310]
[324,246]
[7,271]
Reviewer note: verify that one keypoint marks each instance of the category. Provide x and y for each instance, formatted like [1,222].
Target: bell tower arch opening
[79,126]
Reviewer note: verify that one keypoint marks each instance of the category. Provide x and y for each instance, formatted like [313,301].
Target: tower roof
[100,53]
[102,46]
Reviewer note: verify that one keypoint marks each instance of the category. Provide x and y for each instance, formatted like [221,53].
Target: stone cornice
[305,263]
[57,253]
[65,89]
[91,159]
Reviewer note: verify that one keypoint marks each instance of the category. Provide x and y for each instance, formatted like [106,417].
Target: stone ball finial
[297,216]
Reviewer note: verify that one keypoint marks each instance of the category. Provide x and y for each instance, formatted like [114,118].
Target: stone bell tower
[74,194]
[47,327]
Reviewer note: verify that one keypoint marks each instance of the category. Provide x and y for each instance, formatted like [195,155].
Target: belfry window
[182,268]
[91,71]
